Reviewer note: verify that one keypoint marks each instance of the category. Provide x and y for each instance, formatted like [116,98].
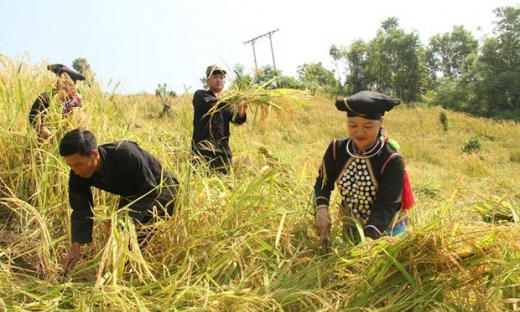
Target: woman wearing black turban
[64,92]
[369,173]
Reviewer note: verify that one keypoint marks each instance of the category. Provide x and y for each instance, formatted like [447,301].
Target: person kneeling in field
[368,170]
[121,168]
[64,93]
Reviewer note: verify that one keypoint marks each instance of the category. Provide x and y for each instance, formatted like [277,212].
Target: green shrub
[445,121]
[473,145]
[515,157]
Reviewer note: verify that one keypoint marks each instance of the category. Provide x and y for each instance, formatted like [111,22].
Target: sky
[133,45]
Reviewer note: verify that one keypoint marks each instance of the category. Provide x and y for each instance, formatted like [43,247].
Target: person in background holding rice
[210,141]
[65,92]
[369,172]
[121,168]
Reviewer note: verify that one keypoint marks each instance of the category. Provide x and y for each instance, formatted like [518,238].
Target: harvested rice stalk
[262,101]
[497,210]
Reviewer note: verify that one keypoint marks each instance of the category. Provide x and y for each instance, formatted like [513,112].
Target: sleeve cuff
[82,239]
[320,200]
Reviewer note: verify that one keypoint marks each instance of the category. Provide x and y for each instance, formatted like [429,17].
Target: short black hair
[78,141]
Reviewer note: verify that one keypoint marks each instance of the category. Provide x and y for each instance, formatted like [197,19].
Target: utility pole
[252,41]
[270,34]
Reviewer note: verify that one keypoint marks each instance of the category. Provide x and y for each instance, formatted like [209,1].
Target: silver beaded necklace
[378,146]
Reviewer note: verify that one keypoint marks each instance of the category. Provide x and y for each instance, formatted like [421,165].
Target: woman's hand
[45,132]
[323,222]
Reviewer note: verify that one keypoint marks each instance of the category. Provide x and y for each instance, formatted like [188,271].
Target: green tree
[390,24]
[447,53]
[487,83]
[408,69]
[355,59]
[508,36]
[395,62]
[337,55]
[391,63]
[288,82]
[357,66]
[166,96]
[83,67]
[265,74]
[380,57]
[454,93]
[241,79]
[314,76]
[204,81]
[498,68]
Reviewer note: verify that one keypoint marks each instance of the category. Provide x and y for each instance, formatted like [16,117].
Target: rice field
[246,242]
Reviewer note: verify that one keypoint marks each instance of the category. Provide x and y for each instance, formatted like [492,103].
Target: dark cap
[215,69]
[367,104]
[59,69]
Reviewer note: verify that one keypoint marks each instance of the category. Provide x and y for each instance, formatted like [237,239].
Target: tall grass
[245,242]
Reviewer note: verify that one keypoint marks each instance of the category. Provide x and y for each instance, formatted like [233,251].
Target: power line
[190,26]
[252,41]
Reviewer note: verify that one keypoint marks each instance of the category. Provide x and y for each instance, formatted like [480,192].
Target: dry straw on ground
[246,242]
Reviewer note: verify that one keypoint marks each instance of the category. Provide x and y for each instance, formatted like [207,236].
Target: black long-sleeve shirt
[40,107]
[211,131]
[371,188]
[38,110]
[128,171]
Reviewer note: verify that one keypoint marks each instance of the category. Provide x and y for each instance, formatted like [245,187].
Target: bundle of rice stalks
[497,210]
[441,267]
[262,101]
